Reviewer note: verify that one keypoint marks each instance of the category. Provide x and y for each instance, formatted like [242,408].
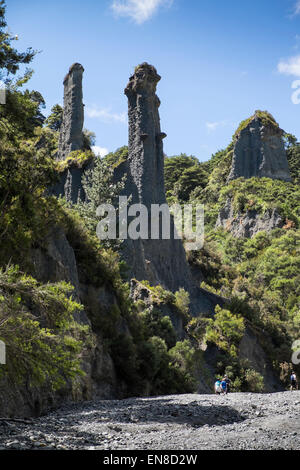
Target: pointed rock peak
[263,118]
[76,67]
[145,77]
[259,149]
[71,135]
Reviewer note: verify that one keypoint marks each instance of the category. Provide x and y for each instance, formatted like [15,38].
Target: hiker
[294,383]
[224,386]
[218,387]
[228,381]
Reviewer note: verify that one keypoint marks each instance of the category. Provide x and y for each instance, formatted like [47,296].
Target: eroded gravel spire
[158,261]
[259,150]
[71,136]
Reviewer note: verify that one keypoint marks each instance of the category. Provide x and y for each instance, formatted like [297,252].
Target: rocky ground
[183,422]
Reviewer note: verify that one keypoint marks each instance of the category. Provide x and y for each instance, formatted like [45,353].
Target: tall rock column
[146,158]
[71,136]
[159,261]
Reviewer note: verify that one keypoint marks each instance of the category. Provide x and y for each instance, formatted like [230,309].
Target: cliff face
[249,224]
[56,261]
[158,261]
[259,152]
[71,137]
[70,183]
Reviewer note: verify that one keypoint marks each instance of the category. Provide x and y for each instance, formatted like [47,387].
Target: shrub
[36,321]
[182,302]
[225,330]
[254,381]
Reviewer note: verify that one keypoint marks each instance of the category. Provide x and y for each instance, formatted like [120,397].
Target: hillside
[84,319]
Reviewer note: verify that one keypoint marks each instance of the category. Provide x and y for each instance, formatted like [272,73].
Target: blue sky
[219,61]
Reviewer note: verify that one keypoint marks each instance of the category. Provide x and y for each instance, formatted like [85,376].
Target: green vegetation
[36,353]
[77,158]
[266,118]
[99,189]
[258,277]
[115,159]
[54,120]
[293,155]
[10,58]
[151,360]
[261,194]
[225,330]
[182,175]
[44,342]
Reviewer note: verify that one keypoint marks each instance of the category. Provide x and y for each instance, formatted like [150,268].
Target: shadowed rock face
[259,152]
[158,261]
[71,137]
[70,183]
[146,157]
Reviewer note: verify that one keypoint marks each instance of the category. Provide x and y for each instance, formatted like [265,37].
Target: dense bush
[42,340]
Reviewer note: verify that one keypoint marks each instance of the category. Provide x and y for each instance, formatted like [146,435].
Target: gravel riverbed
[177,422]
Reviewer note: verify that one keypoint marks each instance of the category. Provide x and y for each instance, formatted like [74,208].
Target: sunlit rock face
[71,136]
[259,152]
[159,261]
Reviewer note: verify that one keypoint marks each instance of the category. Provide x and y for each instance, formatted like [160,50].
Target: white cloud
[297,8]
[100,151]
[105,115]
[139,10]
[213,126]
[290,66]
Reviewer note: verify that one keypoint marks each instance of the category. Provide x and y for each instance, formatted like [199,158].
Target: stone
[71,135]
[251,350]
[69,184]
[249,224]
[157,261]
[259,151]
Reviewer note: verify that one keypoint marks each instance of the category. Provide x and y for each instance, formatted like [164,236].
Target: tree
[36,97]
[37,353]
[289,140]
[10,58]
[99,189]
[293,156]
[183,174]
[89,139]
[225,330]
[54,120]
[174,168]
[25,171]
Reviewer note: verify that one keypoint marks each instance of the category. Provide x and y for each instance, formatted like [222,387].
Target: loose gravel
[178,422]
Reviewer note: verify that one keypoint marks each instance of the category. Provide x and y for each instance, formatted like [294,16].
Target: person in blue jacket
[218,387]
[224,386]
